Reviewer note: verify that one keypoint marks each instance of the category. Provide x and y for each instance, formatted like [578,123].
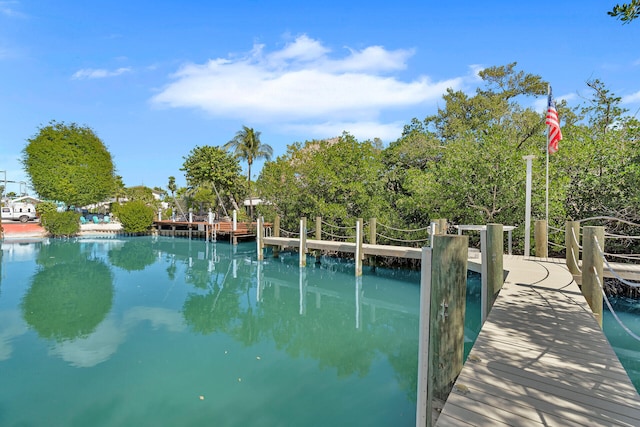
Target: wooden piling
[358,255]
[423,406]
[303,242]
[494,260]
[592,269]
[442,226]
[571,242]
[373,225]
[276,233]
[541,240]
[446,316]
[259,236]
[318,228]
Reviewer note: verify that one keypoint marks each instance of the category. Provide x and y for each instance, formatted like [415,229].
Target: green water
[171,332]
[627,347]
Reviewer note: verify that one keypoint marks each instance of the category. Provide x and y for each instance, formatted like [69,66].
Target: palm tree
[247,146]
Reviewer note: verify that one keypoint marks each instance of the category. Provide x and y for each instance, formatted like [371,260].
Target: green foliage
[143,194]
[247,146]
[135,216]
[69,163]
[119,189]
[337,179]
[45,207]
[61,224]
[466,164]
[172,185]
[626,12]
[217,170]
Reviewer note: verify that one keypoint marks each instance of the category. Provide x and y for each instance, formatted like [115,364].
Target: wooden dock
[207,231]
[346,247]
[541,359]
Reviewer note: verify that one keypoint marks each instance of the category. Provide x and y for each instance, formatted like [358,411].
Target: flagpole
[546,148]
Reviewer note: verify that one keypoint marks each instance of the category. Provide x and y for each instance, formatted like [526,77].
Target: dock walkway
[346,247]
[541,359]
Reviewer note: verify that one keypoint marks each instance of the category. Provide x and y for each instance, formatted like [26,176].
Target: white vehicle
[22,212]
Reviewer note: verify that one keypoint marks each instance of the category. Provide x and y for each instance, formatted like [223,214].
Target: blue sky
[154,79]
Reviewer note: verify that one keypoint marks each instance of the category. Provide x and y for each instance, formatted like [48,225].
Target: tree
[119,189]
[144,194]
[247,146]
[337,179]
[626,12]
[465,163]
[136,216]
[69,163]
[214,168]
[172,186]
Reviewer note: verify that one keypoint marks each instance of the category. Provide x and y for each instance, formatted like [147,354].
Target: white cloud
[7,8]
[631,99]
[99,73]
[303,86]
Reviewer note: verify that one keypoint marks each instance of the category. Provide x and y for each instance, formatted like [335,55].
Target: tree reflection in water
[69,295]
[134,255]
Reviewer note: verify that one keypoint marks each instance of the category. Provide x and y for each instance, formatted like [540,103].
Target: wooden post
[373,225]
[358,254]
[276,233]
[276,226]
[423,414]
[433,227]
[592,266]
[173,231]
[318,228]
[571,242]
[317,253]
[259,235]
[303,242]
[541,240]
[442,226]
[494,260]
[446,316]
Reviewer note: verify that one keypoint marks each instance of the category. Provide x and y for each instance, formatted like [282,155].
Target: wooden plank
[542,357]
[348,247]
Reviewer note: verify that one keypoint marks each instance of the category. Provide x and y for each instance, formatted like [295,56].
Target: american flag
[554,135]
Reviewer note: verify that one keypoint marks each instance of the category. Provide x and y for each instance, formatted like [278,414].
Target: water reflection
[316,316]
[134,255]
[311,313]
[11,326]
[67,299]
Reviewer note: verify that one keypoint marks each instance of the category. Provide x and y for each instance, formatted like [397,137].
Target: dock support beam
[318,228]
[303,242]
[592,266]
[492,247]
[358,254]
[571,242]
[259,237]
[445,323]
[276,233]
[373,225]
[541,239]
[442,226]
[423,409]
